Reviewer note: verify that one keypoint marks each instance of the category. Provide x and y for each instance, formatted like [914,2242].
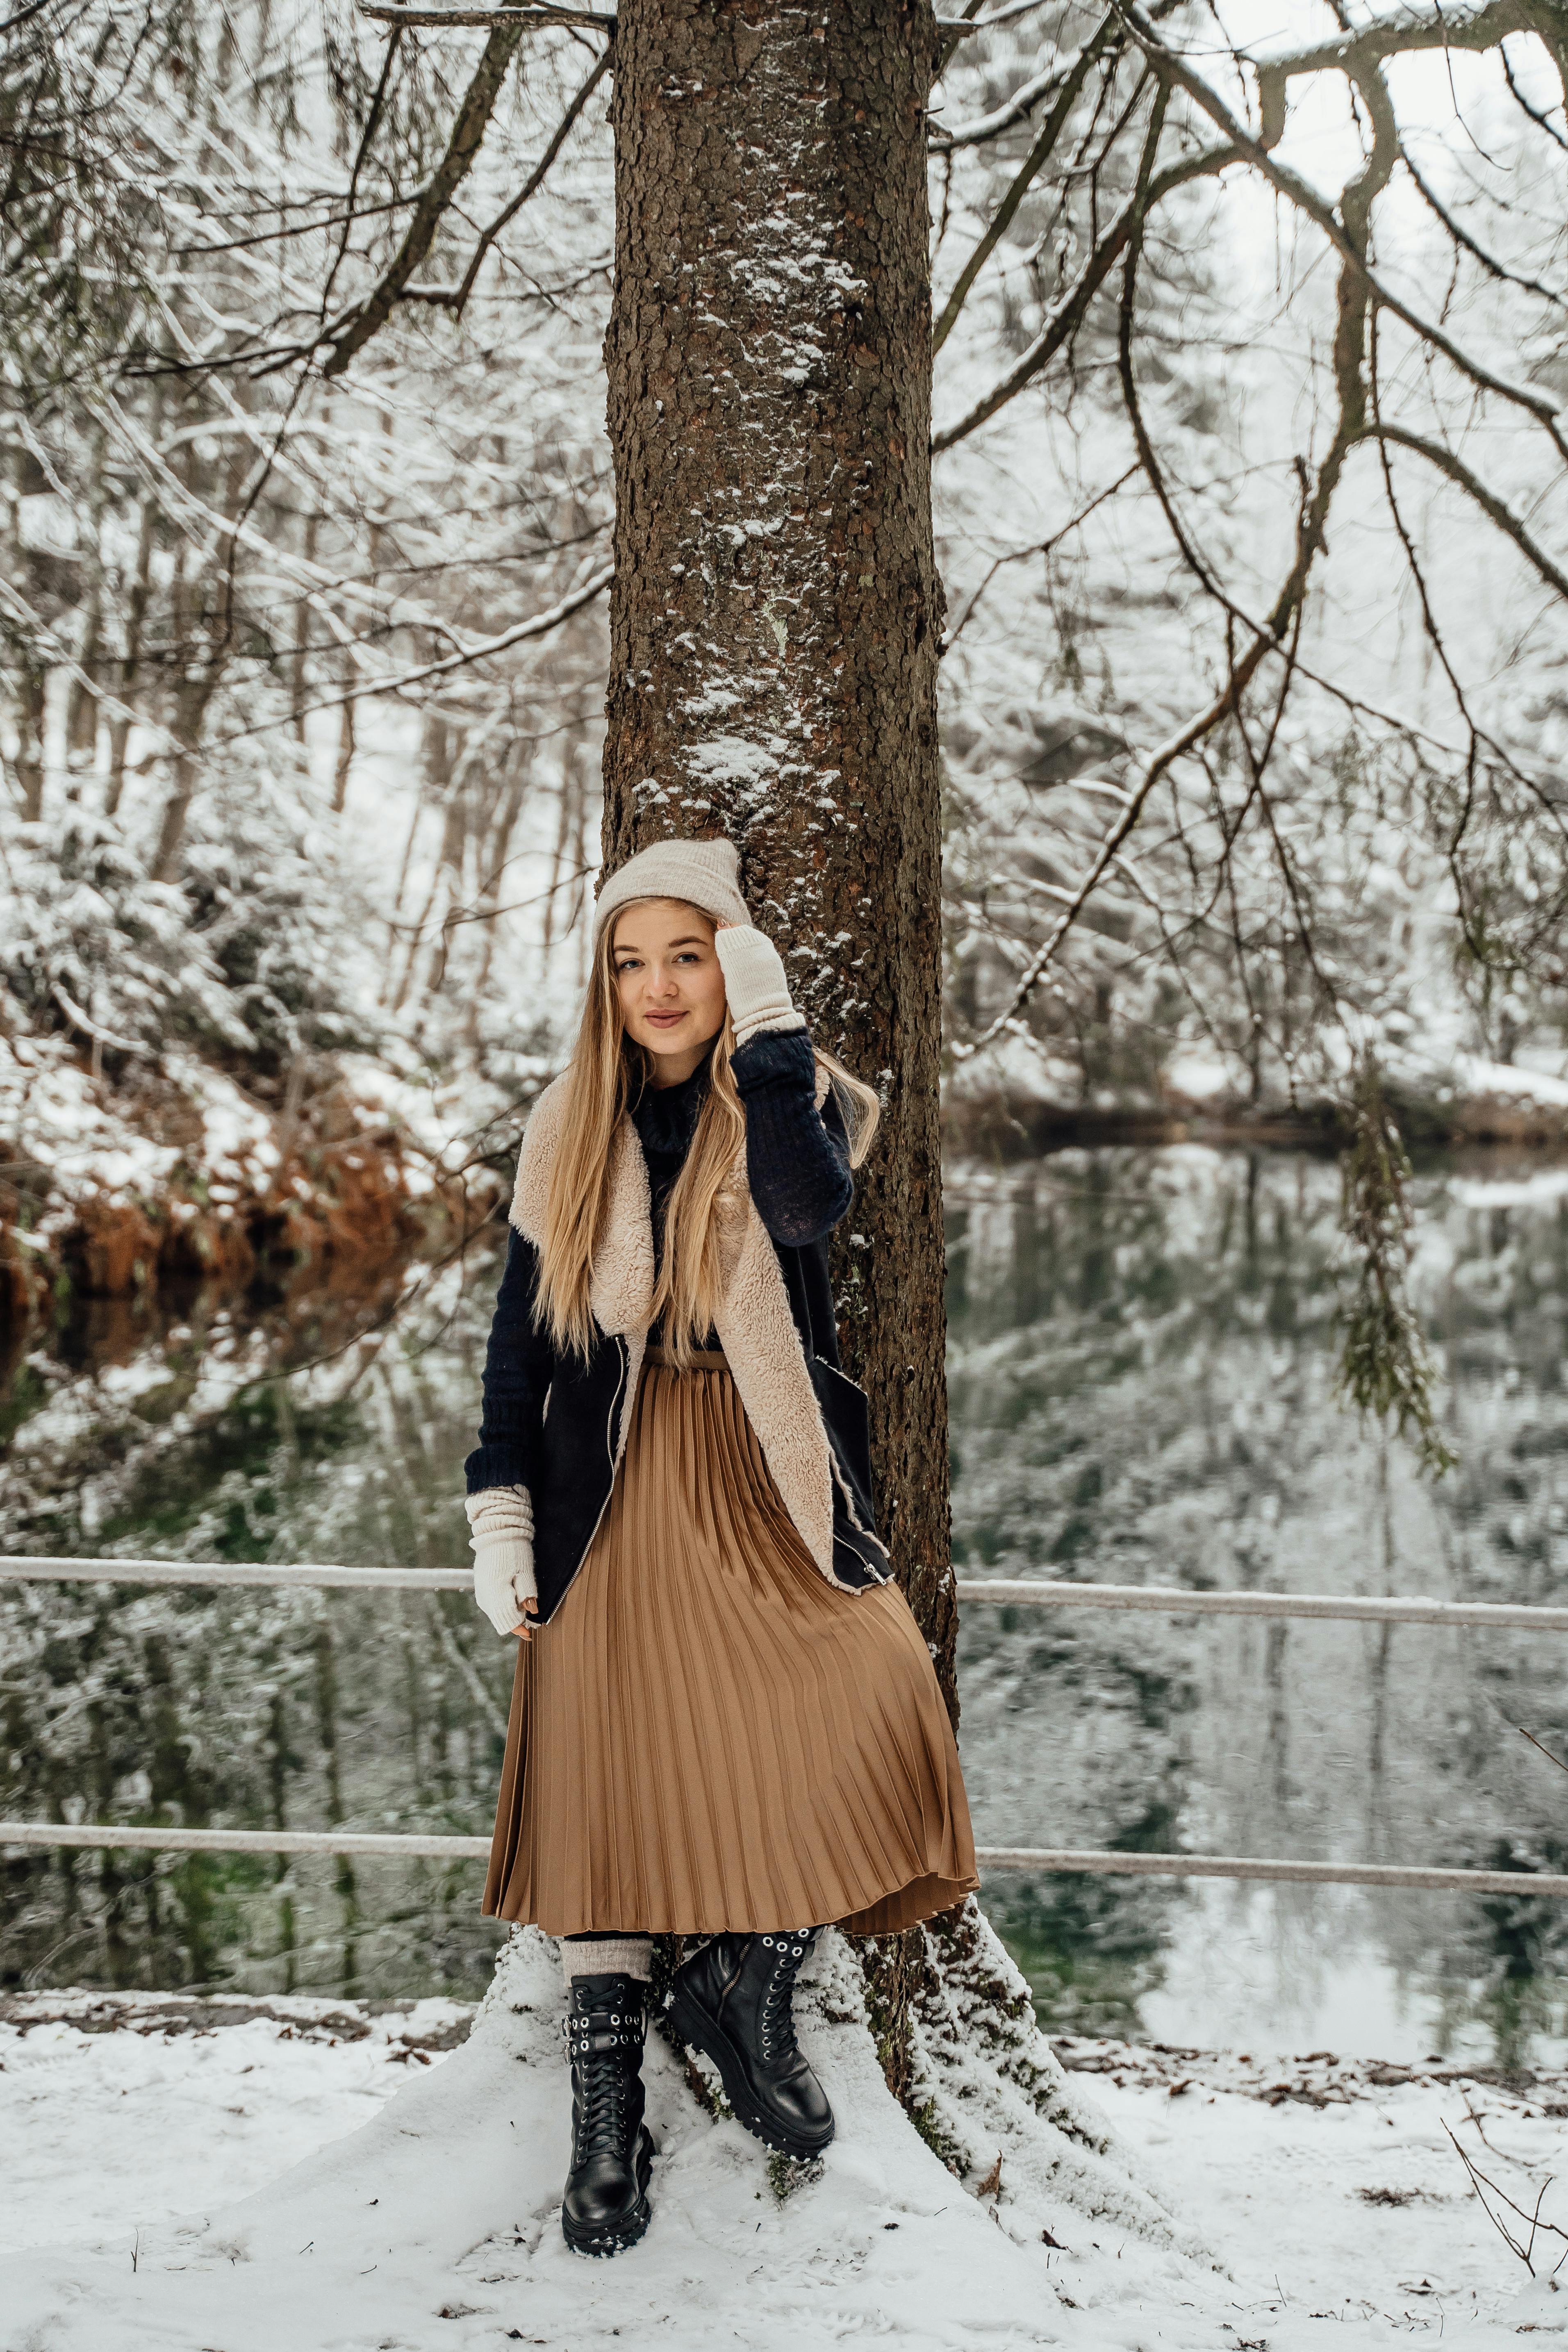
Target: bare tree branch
[473,120]
[1021,554]
[1461,236]
[1028,173]
[1543,406]
[1541,121]
[1066,316]
[366,140]
[539,624]
[1361,49]
[457,299]
[488,18]
[1496,509]
[1544,1749]
[982,128]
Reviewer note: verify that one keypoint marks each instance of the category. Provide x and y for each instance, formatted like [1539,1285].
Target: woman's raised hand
[755,982]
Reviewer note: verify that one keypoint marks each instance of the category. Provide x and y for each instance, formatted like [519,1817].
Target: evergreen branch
[1386,1371]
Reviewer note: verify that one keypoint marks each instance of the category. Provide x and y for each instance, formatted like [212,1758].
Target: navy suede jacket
[797,1169]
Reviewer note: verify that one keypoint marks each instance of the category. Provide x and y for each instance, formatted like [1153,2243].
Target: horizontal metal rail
[42,1570]
[1279,1874]
[390,1847]
[413,1847]
[1381,1610]
[992,1592]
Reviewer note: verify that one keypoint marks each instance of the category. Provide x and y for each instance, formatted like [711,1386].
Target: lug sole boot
[606,2207]
[732,2001]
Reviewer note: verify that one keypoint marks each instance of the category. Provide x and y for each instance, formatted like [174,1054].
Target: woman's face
[670,984]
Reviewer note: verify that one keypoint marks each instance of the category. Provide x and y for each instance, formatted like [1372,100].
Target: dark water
[1141,1366]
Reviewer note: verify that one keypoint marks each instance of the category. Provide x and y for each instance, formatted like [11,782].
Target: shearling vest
[808,1417]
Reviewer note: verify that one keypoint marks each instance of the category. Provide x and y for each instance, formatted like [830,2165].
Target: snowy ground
[422,2206]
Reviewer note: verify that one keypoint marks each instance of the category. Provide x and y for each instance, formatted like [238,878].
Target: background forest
[1253,519]
[306,513]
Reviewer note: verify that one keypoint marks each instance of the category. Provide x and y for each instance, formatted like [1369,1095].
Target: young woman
[724,1719]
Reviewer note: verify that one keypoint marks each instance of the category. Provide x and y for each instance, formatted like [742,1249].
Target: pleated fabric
[708,1734]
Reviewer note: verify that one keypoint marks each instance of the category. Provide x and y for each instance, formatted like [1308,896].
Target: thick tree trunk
[776,609]
[191,703]
[774,622]
[135,624]
[31,692]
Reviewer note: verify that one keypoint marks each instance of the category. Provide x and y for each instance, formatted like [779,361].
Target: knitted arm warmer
[755,981]
[502,1545]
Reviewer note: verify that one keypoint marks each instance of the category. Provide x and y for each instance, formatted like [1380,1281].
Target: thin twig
[1545,1751]
[487,19]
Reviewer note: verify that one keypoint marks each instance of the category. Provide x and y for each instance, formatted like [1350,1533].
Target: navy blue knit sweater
[797,1158]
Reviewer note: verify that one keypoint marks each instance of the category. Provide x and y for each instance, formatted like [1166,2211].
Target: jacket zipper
[625,1354]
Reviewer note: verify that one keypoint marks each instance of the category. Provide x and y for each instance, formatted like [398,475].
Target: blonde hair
[604,1077]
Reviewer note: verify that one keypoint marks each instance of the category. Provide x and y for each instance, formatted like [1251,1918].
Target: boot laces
[775,2021]
[597,2042]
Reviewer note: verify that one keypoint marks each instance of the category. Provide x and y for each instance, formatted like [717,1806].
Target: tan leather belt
[702,1360]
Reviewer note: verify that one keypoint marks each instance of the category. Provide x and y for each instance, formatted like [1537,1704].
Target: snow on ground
[1330,2190]
[1534,1086]
[422,2205]
[53,1117]
[121,2111]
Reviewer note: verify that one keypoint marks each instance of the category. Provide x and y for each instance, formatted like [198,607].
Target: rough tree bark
[776,611]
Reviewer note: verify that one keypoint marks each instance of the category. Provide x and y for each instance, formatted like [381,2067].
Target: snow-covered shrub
[247,955]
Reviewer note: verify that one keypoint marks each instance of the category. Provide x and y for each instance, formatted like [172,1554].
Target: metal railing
[397,1846]
[995,1591]
[999,1593]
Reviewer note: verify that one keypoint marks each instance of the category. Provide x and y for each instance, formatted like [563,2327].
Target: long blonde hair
[604,1077]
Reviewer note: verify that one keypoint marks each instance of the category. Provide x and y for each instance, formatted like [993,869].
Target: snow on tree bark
[777,608]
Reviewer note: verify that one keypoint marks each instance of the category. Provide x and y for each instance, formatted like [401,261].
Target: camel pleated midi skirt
[708,1734]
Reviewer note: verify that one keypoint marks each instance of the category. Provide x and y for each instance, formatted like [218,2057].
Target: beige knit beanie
[706,873]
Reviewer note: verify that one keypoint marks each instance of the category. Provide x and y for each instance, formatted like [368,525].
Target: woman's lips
[663,1020]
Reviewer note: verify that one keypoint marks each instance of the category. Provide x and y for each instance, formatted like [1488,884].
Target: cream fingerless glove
[755,981]
[501,1518]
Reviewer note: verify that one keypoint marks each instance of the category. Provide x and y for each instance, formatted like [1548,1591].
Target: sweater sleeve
[798,1156]
[519,1364]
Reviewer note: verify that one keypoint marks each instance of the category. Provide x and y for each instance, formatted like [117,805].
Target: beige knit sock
[606,1956]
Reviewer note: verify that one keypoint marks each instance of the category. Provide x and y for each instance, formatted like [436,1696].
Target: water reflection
[314,1431]
[1142,1359]
[1142,1355]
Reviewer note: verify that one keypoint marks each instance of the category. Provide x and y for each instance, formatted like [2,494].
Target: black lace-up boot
[605,2206]
[732,2001]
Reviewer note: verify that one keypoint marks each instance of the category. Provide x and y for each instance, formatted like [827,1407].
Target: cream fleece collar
[754,1324]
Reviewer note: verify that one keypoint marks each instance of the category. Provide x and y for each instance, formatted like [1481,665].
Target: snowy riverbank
[190,1176]
[140,2137]
[182,1176]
